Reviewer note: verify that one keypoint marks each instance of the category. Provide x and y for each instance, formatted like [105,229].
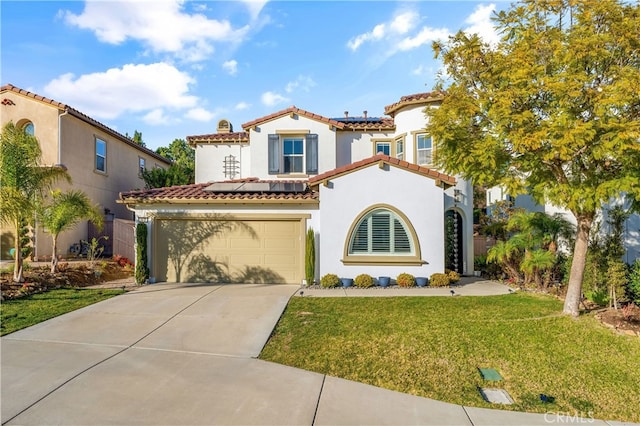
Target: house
[631,234]
[365,185]
[101,162]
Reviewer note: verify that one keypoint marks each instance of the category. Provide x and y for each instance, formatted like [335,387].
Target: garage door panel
[273,255]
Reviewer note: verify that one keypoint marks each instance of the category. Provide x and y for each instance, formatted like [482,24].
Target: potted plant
[422,281]
[384,281]
[346,282]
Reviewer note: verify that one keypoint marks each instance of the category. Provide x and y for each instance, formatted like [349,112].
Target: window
[382,235]
[101,155]
[383,147]
[424,149]
[293,154]
[400,149]
[29,129]
[141,165]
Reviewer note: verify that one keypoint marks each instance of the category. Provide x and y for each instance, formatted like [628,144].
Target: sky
[173,68]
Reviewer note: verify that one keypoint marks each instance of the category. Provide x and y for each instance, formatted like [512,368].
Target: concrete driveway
[185,354]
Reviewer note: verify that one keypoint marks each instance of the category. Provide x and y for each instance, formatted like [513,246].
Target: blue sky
[171,69]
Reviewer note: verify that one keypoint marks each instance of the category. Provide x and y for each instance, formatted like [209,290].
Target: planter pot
[477,273]
[384,281]
[346,282]
[422,281]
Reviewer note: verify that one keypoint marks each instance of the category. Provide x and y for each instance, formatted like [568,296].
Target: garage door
[248,251]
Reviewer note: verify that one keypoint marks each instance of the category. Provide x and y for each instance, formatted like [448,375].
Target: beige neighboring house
[101,162]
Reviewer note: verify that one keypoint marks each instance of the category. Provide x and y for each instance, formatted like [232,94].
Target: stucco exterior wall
[348,196]
[210,161]
[259,144]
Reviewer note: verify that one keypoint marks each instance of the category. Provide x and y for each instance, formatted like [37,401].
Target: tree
[181,171]
[552,110]
[137,137]
[23,182]
[63,211]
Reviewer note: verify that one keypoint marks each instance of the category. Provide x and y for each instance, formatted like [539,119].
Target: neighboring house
[364,184]
[524,201]
[101,162]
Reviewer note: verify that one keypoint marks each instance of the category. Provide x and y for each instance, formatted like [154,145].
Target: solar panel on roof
[257,187]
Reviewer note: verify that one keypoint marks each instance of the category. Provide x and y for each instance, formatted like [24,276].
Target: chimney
[365,115]
[346,114]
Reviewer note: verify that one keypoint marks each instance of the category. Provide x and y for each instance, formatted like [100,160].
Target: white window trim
[96,155]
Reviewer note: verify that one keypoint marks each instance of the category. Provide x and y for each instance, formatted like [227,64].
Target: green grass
[433,347]
[24,312]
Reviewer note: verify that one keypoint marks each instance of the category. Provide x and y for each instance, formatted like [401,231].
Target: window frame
[413,258]
[276,156]
[27,125]
[417,150]
[400,153]
[385,141]
[293,157]
[142,165]
[98,155]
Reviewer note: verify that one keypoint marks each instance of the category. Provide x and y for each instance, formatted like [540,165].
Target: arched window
[29,128]
[382,235]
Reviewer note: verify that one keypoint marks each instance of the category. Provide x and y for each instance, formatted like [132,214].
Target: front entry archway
[453,241]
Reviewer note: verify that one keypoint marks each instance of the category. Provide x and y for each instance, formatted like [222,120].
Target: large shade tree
[23,183]
[552,109]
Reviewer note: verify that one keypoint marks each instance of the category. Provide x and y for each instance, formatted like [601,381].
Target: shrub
[330,280]
[454,277]
[439,280]
[364,281]
[633,286]
[310,257]
[142,270]
[406,280]
[599,296]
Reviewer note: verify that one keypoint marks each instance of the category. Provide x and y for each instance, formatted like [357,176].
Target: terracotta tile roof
[417,98]
[83,117]
[292,110]
[235,137]
[366,123]
[196,193]
[425,171]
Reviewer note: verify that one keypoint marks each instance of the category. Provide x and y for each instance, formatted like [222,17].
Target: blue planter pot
[384,281]
[346,282]
[422,281]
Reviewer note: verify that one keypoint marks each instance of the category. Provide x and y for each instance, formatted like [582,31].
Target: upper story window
[424,149]
[142,166]
[101,155]
[400,149]
[382,235]
[289,154]
[29,128]
[383,147]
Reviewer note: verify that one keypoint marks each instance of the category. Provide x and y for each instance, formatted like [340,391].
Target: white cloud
[425,36]
[480,23]
[200,114]
[130,89]
[303,82]
[162,26]
[242,105]
[271,99]
[156,117]
[400,24]
[231,67]
[419,70]
[254,7]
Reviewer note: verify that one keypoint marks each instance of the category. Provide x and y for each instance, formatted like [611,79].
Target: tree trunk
[574,289]
[17,266]
[54,255]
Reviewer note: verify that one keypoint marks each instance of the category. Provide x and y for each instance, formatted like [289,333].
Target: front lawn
[433,347]
[19,313]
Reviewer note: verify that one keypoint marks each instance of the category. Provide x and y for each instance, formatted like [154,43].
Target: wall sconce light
[456,195]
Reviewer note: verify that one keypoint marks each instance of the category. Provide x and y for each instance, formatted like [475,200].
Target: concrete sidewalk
[186,354]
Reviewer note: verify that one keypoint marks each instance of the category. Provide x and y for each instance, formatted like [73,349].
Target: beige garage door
[254,251]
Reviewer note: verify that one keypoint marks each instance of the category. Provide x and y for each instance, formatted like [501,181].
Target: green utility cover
[490,374]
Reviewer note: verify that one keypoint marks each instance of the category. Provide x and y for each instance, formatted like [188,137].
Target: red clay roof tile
[292,110]
[416,98]
[234,137]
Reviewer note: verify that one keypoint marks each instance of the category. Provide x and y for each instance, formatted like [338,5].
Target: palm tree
[23,181]
[536,261]
[508,255]
[63,212]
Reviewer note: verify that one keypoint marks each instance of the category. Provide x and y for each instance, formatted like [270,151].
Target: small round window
[29,129]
